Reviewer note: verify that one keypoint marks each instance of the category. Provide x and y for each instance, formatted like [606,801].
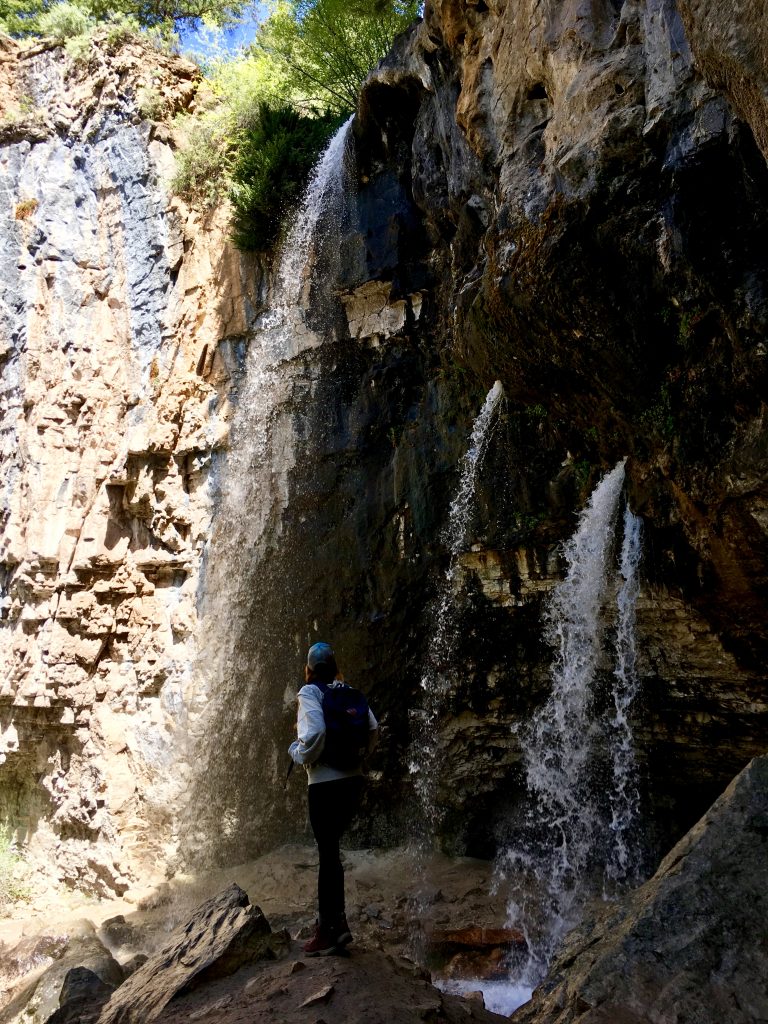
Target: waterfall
[581,814]
[255,473]
[624,861]
[236,693]
[439,675]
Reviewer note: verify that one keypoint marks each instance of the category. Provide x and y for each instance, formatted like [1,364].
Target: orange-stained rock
[477,938]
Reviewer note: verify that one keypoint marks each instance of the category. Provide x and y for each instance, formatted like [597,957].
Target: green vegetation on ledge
[273,160]
[276,105]
[279,104]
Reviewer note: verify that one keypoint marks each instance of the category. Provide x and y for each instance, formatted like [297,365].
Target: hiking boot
[343,934]
[321,944]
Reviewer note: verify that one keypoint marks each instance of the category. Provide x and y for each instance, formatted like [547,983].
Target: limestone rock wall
[539,199]
[122,319]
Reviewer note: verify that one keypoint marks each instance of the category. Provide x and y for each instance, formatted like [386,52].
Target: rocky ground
[453,921]
[689,945]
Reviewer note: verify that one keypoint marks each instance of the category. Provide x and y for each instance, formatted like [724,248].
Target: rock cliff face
[540,200]
[585,257]
[122,315]
[553,194]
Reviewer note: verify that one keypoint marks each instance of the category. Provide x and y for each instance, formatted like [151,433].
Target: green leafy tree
[330,46]
[35,17]
[156,13]
[20,17]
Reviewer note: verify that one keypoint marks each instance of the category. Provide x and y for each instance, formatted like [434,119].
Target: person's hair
[325,672]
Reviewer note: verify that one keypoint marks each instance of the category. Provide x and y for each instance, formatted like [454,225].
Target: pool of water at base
[502,997]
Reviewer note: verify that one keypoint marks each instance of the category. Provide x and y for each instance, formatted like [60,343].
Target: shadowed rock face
[552,194]
[541,199]
[686,945]
[568,164]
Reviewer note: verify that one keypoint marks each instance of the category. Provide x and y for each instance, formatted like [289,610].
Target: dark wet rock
[224,933]
[81,999]
[131,966]
[39,999]
[689,945]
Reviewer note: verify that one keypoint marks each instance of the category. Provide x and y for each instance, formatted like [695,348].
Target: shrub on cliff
[64,21]
[273,161]
[202,167]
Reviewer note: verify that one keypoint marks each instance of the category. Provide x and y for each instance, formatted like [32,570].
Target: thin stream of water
[254,490]
[581,817]
[624,861]
[440,671]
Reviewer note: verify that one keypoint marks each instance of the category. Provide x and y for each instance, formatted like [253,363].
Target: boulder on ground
[39,998]
[82,998]
[689,945]
[367,986]
[222,935]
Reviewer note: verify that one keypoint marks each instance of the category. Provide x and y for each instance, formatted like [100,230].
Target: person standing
[333,792]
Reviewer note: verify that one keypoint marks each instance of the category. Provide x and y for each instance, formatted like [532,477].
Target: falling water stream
[579,827]
[439,677]
[255,481]
[623,865]
[234,692]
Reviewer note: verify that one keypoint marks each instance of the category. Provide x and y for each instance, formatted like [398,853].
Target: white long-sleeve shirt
[310,726]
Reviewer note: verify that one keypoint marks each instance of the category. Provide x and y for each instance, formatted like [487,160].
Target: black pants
[332,806]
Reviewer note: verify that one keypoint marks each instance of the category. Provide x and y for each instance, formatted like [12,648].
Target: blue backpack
[345,710]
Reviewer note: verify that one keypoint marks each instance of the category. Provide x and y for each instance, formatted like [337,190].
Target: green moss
[688,322]
[658,419]
[582,471]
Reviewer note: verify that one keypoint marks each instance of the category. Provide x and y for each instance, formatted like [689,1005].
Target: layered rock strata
[122,316]
[538,199]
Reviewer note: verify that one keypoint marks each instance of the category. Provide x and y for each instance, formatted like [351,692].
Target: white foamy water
[253,484]
[624,860]
[255,480]
[439,674]
[502,997]
[583,803]
[460,512]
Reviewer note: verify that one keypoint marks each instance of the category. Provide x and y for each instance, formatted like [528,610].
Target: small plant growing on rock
[25,209]
[150,103]
[13,888]
[201,167]
[23,111]
[78,49]
[121,28]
